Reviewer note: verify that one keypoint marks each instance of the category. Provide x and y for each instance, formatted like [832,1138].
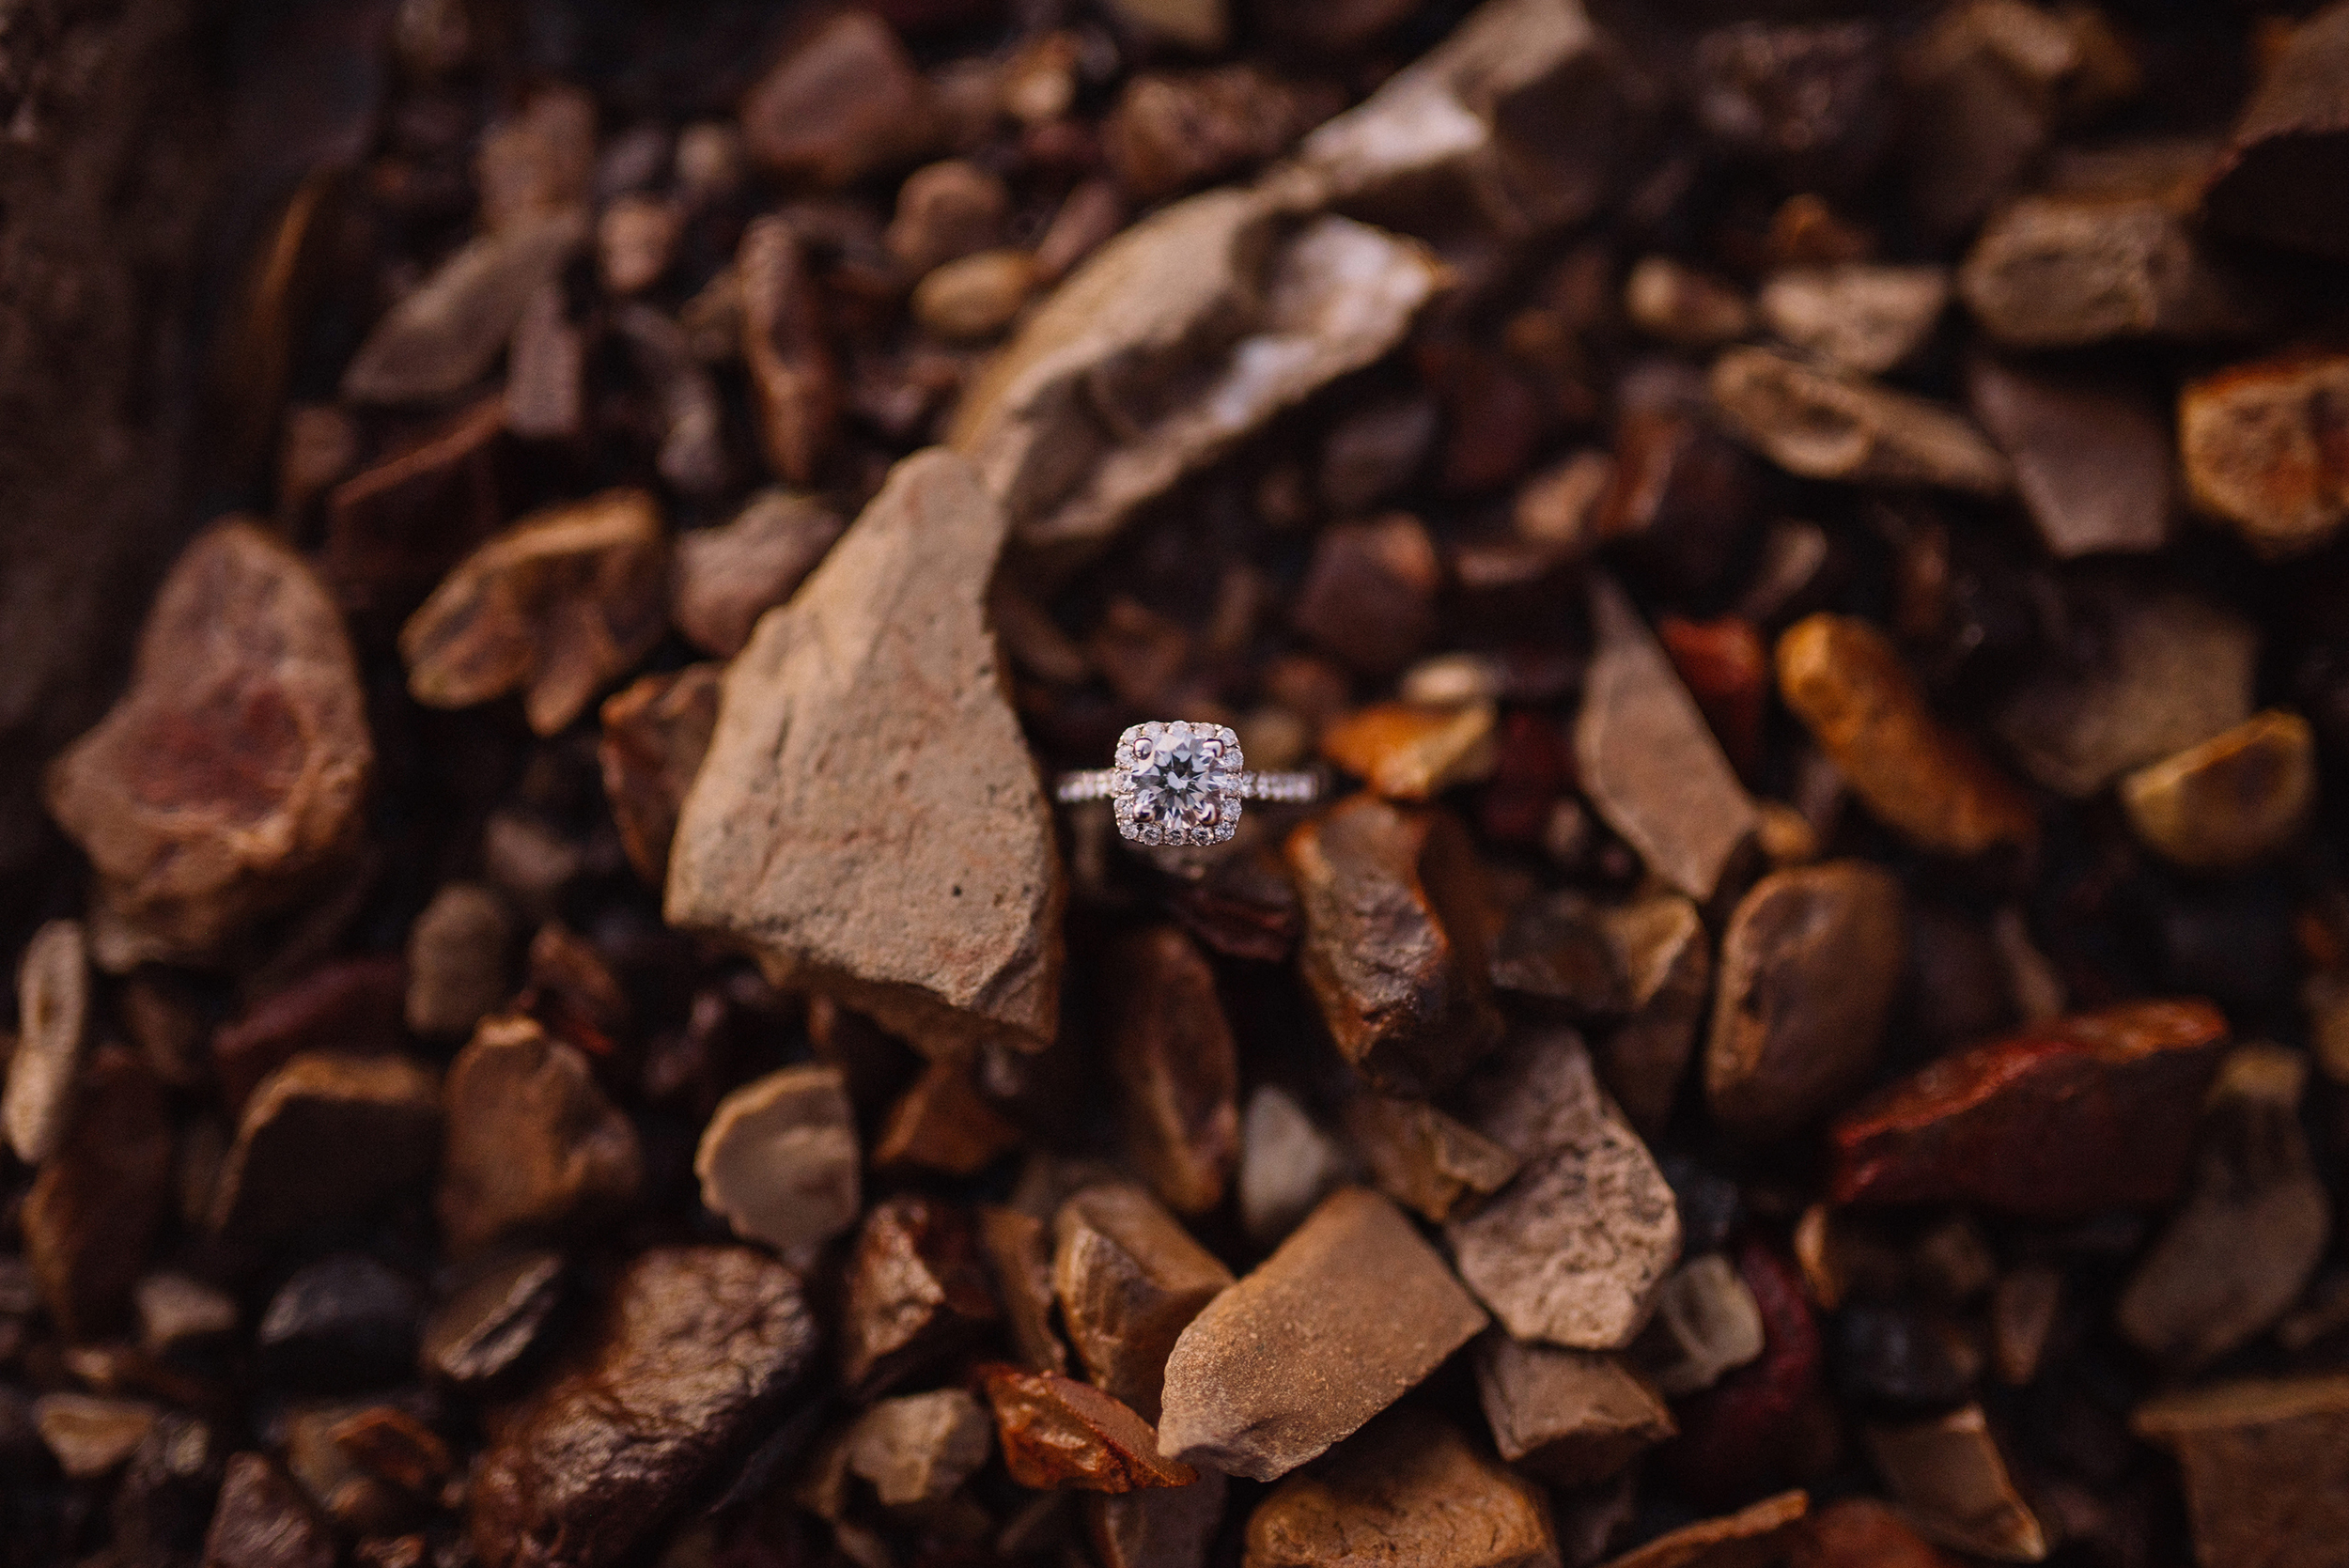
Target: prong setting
[1177,782]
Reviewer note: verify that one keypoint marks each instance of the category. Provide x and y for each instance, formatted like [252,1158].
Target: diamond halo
[1177,782]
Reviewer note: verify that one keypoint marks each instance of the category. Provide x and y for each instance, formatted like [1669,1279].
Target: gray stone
[779,1159]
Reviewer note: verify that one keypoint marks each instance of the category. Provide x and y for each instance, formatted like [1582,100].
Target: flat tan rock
[1858,317]
[1350,1313]
[918,1448]
[1818,425]
[2267,1466]
[1129,1279]
[532,1148]
[2234,800]
[2260,451]
[868,819]
[52,1004]
[230,776]
[779,1159]
[1406,1489]
[1574,1418]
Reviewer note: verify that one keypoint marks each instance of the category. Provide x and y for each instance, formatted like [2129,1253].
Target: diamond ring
[1179,782]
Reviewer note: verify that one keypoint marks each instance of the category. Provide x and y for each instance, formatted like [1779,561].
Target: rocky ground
[1814,1028]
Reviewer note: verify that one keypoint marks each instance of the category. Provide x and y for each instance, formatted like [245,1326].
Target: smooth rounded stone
[691,1360]
[1862,1532]
[1407,1489]
[1811,962]
[1423,1158]
[1160,1528]
[1369,594]
[53,1024]
[1949,1477]
[916,1291]
[656,731]
[1665,957]
[347,1321]
[2095,461]
[92,1435]
[1017,1247]
[1706,1324]
[2261,452]
[553,608]
[2267,1466]
[1758,1533]
[843,100]
[491,1326]
[2232,801]
[1129,1279]
[944,1123]
[918,1448]
[1177,1070]
[1348,1314]
[726,577]
[974,298]
[779,1159]
[1691,309]
[946,210]
[263,1520]
[2279,179]
[1818,425]
[533,1148]
[231,775]
[2062,270]
[1574,1418]
[1410,753]
[179,1315]
[1574,1252]
[1847,683]
[327,1137]
[834,739]
[1398,926]
[1863,318]
[97,1205]
[2148,675]
[445,335]
[1648,761]
[1286,1163]
[458,952]
[2254,1227]
[1058,1432]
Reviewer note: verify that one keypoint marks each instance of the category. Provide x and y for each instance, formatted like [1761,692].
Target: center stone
[1180,783]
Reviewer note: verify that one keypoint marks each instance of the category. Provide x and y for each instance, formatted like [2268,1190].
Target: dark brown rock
[687,413]
[1726,667]
[1811,962]
[795,378]
[350,1006]
[1757,1534]
[2093,460]
[2235,800]
[102,1196]
[1058,1432]
[395,1446]
[52,1004]
[726,577]
[1129,1279]
[1173,130]
[1413,751]
[1665,959]
[487,1333]
[1983,87]
[1017,1247]
[948,211]
[1423,1158]
[1554,953]
[2023,1310]
[1818,425]
[2263,451]
[89,1436]
[636,239]
[326,1137]
[831,740]
[229,777]
[457,956]
[1397,929]
[1952,1480]
[1861,1532]
[445,335]
[179,1315]
[1350,1313]
[553,608]
[263,1521]
[2279,177]
[695,1352]
[916,1291]
[843,100]
[1691,309]
[656,731]
[2265,1464]
[1369,595]
[1177,1071]
[546,372]
[2091,1111]
[393,529]
[539,159]
[532,1149]
[943,1123]
[779,1159]
[918,1448]
[1407,1489]
[1574,1417]
[2057,271]
[1161,1527]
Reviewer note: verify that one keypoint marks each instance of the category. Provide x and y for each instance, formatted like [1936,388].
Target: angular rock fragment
[2254,1227]
[486,1333]
[945,211]
[230,776]
[1410,753]
[1847,683]
[794,377]
[553,608]
[1018,1248]
[779,1159]
[1818,425]
[1554,953]
[1706,1324]
[1177,1071]
[1574,1251]
[686,409]
[1861,1532]
[344,1321]
[532,1147]
[2093,461]
[2232,801]
[1129,1279]
[1422,1158]
[943,1123]
[1397,929]
[2091,1111]
[692,1357]
[2057,271]
[1647,759]
[539,159]
[1574,1418]
[1348,1314]
[2263,450]
[1058,1432]
[2279,179]
[1726,667]
[89,1436]
[1983,87]
[1756,1534]
[655,733]
[445,335]
[1952,1480]
[916,1291]
[263,1521]
[1174,131]
[1286,308]
[1812,101]
[726,576]
[868,819]
[179,1315]
[1369,594]
[546,372]
[1408,1489]
[843,100]
[1161,1527]
[103,1195]
[918,1448]
[458,952]
[326,1137]
[1666,961]
[1856,317]
[52,986]
[1810,965]
[1286,1163]
[2266,1466]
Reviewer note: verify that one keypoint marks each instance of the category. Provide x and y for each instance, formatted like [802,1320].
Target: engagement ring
[1179,782]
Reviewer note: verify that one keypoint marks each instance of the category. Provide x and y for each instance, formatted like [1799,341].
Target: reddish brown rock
[102,1196]
[844,100]
[1952,1480]
[1861,1532]
[53,984]
[1407,1489]
[89,1436]
[835,740]
[943,1123]
[2263,450]
[1177,1071]
[1665,958]
[2267,1466]
[2092,1111]
[229,777]
[1397,929]
[1405,752]
[555,608]
[1757,1427]
[655,734]
[1818,425]
[693,1352]
[1572,1417]
[444,334]
[1726,668]
[459,950]
[916,1291]
[1060,1434]
[1161,1527]
[2235,800]
[2093,460]
[533,1149]
[2060,270]
[794,386]
[1369,594]
[388,1442]
[1423,1158]
[1810,965]
[2279,179]
[726,577]
[350,1006]
[326,1137]
[1847,684]
[1344,1317]
[779,1159]
[1758,1534]
[1171,131]
[263,1520]
[1129,1279]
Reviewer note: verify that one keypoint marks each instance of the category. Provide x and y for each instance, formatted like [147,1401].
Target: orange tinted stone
[1058,1434]
[1727,669]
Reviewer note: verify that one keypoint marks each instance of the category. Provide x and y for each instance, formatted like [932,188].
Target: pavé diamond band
[1182,782]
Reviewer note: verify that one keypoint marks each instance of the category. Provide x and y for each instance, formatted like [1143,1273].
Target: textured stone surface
[2234,800]
[694,1351]
[53,1004]
[1817,425]
[1350,1313]
[2057,271]
[655,733]
[532,1147]
[726,576]
[916,1291]
[779,1159]
[2094,463]
[1423,1158]
[1574,1417]
[2262,450]
[1129,1279]
[1059,1433]
[327,1137]
[102,1198]
[1406,1489]
[230,776]
[868,819]
[918,1448]
[1755,1534]
[1177,1071]
[2267,1466]
[1950,1476]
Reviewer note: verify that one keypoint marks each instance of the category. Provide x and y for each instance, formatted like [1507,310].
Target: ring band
[1178,782]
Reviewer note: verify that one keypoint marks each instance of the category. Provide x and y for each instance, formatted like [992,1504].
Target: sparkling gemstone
[1179,782]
